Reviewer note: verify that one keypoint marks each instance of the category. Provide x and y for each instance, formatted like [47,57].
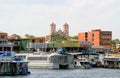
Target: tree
[57,37]
[113,44]
[75,37]
[15,35]
[29,36]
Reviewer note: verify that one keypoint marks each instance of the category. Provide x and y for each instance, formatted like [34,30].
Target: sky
[35,16]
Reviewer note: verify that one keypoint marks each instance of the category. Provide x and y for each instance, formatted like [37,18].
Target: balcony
[37,45]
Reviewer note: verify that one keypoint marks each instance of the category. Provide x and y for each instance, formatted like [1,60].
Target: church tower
[66,29]
[53,28]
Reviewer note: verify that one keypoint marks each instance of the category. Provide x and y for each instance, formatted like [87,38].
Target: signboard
[85,44]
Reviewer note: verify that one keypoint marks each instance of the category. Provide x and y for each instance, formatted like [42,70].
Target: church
[64,32]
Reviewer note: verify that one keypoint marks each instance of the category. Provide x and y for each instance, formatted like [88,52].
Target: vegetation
[29,36]
[75,37]
[113,44]
[61,40]
[15,35]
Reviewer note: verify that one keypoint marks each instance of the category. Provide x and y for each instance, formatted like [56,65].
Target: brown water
[71,73]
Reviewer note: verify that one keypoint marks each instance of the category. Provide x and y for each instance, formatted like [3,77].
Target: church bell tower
[66,29]
[53,28]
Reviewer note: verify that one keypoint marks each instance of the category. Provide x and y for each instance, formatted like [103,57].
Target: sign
[85,44]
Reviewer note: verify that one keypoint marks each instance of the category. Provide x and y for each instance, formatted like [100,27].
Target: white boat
[49,61]
[82,63]
[111,62]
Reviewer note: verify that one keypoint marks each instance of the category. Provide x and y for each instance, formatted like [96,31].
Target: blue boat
[9,64]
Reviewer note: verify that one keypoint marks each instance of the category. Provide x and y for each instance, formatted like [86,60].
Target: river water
[71,73]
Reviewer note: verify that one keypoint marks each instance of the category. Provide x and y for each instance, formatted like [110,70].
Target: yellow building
[36,43]
[37,40]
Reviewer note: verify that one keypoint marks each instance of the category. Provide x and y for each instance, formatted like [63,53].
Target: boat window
[37,58]
[59,59]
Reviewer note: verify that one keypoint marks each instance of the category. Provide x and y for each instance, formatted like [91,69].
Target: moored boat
[111,62]
[82,63]
[56,60]
[9,64]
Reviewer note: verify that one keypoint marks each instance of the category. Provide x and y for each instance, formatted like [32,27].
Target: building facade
[19,43]
[36,43]
[53,28]
[97,37]
[65,30]
[3,40]
[3,37]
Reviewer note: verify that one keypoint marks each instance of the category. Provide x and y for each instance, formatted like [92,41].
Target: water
[72,73]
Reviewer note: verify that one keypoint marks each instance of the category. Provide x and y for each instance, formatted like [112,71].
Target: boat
[9,64]
[82,63]
[111,62]
[55,60]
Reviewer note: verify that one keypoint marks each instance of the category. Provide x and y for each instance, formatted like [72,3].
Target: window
[86,35]
[33,41]
[16,43]
[37,58]
[86,39]
[2,37]
[41,41]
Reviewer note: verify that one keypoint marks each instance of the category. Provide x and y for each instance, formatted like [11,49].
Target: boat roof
[14,61]
[40,55]
[57,54]
[77,53]
[111,57]
[6,45]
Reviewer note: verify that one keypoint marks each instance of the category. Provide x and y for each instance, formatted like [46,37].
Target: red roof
[3,33]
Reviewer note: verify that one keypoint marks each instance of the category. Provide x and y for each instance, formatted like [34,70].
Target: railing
[37,45]
[6,54]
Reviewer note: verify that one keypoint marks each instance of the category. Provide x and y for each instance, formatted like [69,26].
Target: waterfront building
[36,43]
[19,43]
[24,43]
[16,44]
[3,37]
[97,37]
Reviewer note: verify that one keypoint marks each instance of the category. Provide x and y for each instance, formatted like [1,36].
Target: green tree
[29,36]
[62,40]
[113,44]
[15,35]
[57,37]
[75,37]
